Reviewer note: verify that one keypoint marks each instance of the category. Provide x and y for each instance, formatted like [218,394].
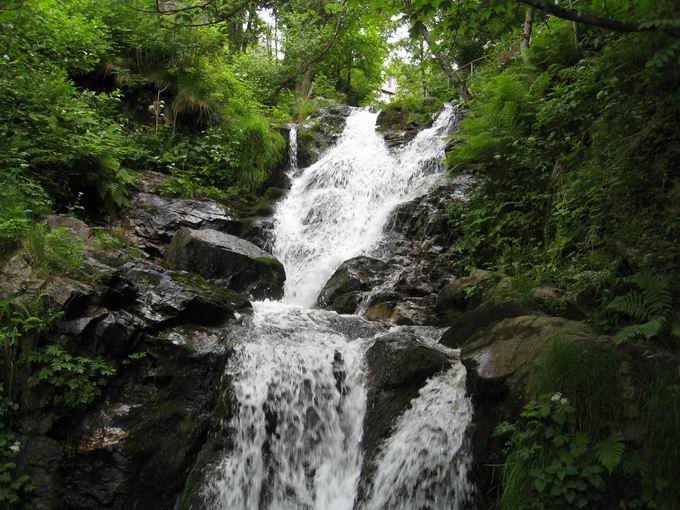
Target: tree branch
[585,18]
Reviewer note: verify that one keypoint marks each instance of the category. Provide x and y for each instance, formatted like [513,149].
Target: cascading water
[337,208]
[424,464]
[297,378]
[292,149]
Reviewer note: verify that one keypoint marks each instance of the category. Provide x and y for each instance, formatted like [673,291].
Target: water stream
[297,375]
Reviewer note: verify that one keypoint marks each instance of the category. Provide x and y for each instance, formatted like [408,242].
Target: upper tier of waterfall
[336,208]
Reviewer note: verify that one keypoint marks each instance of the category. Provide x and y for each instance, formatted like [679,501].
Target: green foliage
[662,418]
[651,303]
[21,324]
[21,200]
[55,251]
[587,376]
[75,380]
[12,485]
[551,466]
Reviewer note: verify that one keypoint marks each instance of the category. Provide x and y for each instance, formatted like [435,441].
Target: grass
[587,376]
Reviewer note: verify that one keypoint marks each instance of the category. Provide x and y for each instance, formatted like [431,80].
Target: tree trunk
[304,83]
[455,78]
[526,32]
[587,19]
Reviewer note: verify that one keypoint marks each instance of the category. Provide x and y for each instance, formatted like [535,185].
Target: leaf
[609,451]
[540,485]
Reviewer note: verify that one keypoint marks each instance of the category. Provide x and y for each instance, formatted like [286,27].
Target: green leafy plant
[12,485]
[54,251]
[551,466]
[650,303]
[21,322]
[76,380]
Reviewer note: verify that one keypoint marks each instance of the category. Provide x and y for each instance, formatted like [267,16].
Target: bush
[75,380]
[54,251]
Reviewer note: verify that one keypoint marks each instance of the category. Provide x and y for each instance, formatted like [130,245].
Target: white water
[292,149]
[424,465]
[337,208]
[297,367]
[297,375]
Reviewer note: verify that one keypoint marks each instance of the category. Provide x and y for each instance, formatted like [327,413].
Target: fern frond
[655,291]
[610,451]
[632,304]
[648,330]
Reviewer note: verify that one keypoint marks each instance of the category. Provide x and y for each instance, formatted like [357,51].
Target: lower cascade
[297,380]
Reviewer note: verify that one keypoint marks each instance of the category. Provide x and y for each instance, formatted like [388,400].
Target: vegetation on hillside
[572,127]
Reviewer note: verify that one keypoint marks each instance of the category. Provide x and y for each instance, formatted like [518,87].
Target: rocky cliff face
[161,326]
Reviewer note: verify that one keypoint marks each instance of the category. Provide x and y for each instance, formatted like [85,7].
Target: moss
[210,291]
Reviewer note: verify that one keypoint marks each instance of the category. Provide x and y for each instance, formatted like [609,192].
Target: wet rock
[135,448]
[164,298]
[395,125]
[500,359]
[319,132]
[481,317]
[455,297]
[236,263]
[398,365]
[75,228]
[152,220]
[343,291]
[508,348]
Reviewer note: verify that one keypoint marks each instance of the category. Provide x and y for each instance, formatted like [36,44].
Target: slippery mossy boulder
[343,291]
[484,315]
[398,365]
[319,132]
[234,262]
[152,220]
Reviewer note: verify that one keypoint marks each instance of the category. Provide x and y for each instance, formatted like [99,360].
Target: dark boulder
[234,262]
[343,291]
[484,315]
[398,365]
[163,298]
[398,127]
[319,132]
[152,220]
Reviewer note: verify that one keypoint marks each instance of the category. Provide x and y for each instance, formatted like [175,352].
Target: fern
[610,451]
[651,304]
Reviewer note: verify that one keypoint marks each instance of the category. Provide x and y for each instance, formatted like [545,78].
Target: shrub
[551,466]
[75,380]
[54,251]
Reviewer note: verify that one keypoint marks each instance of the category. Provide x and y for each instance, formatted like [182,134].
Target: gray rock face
[343,291]
[236,263]
[394,124]
[134,446]
[398,364]
[484,315]
[319,132]
[152,220]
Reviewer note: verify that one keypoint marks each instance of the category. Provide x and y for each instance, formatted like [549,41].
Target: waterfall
[337,208]
[300,407]
[292,149]
[425,464]
[297,382]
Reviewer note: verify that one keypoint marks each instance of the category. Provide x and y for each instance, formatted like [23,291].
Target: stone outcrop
[134,446]
[398,365]
[319,132]
[395,125]
[152,220]
[236,263]
[344,290]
